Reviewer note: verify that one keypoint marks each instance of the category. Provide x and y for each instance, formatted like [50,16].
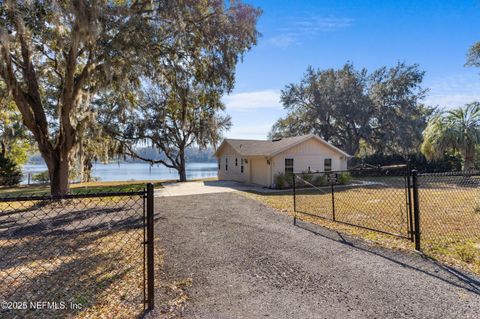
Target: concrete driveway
[204,187]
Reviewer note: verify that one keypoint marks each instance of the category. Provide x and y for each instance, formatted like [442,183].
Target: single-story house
[258,161]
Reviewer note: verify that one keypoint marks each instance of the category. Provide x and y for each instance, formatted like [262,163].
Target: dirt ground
[228,256]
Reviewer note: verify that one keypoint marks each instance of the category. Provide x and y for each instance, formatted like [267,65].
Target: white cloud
[310,26]
[253,100]
[283,40]
[452,100]
[454,91]
[316,24]
[256,132]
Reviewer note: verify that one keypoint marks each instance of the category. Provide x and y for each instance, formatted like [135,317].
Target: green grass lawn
[80,188]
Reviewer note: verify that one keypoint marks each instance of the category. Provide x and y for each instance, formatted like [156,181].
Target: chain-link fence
[449,205]
[440,211]
[74,256]
[376,199]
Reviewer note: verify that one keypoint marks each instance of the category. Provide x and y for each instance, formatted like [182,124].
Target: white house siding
[234,172]
[311,153]
[260,170]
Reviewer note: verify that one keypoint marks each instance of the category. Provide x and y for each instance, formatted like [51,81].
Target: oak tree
[56,55]
[350,108]
[180,105]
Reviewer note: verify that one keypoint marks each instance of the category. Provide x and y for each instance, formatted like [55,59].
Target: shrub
[289,179]
[42,177]
[280,180]
[344,178]
[10,173]
[320,180]
[307,177]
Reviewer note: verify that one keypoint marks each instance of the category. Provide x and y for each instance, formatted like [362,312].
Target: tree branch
[132,153]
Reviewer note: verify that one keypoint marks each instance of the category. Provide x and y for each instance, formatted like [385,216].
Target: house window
[236,161]
[327,165]
[241,165]
[226,163]
[219,164]
[288,165]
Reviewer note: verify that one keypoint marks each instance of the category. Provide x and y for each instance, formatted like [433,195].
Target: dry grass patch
[176,298]
[450,222]
[82,251]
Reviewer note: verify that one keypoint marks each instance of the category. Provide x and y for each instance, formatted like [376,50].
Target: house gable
[311,140]
[309,155]
[225,149]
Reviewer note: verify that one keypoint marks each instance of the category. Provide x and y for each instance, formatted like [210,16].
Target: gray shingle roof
[270,148]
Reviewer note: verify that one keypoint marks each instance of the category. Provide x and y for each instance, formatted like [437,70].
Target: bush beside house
[344,178]
[282,180]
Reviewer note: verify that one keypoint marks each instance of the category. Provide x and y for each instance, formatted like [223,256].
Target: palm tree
[455,130]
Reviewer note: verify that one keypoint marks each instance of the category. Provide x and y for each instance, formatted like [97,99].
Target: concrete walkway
[204,187]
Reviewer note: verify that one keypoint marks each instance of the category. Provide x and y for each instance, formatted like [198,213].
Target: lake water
[136,171]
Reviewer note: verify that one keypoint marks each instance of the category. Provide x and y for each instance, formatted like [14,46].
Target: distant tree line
[379,117]
[379,112]
[192,154]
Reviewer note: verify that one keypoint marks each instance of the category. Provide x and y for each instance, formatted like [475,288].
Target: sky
[327,34]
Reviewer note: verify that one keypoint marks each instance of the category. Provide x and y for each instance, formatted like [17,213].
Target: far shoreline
[124,171]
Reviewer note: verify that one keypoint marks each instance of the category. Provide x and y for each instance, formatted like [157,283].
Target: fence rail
[430,209]
[77,254]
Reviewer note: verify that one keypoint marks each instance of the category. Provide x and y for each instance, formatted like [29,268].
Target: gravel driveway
[248,261]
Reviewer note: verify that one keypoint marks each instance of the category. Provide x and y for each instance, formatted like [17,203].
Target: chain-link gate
[374,199]
[435,210]
[77,255]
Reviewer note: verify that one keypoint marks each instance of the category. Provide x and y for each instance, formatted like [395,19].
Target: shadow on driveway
[428,265]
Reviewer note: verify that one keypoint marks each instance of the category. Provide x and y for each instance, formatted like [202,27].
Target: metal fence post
[150,251]
[416,210]
[294,200]
[333,200]
[409,207]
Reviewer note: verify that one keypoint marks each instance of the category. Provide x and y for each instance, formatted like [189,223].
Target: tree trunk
[58,168]
[87,170]
[182,173]
[182,169]
[352,146]
[3,150]
[469,164]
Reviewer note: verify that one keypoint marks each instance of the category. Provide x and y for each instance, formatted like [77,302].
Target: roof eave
[219,148]
[225,141]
